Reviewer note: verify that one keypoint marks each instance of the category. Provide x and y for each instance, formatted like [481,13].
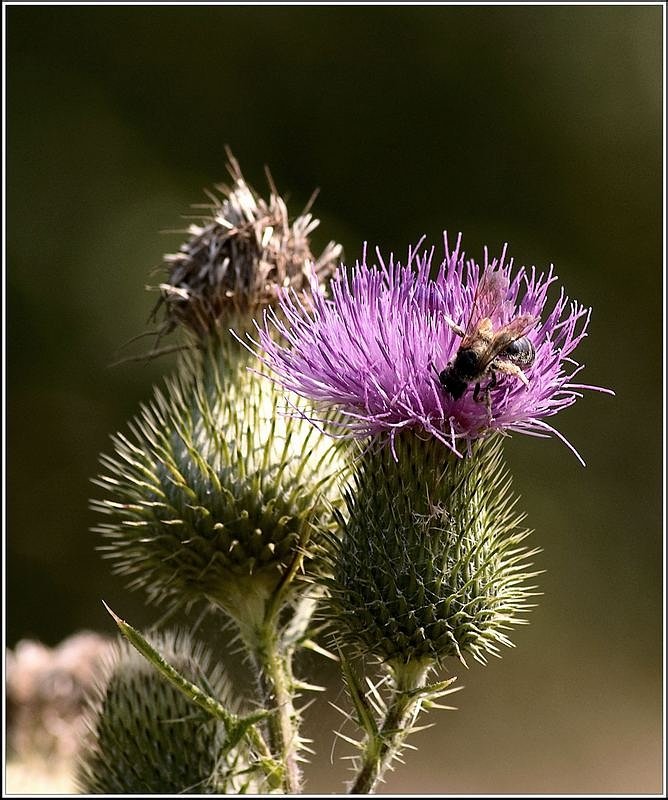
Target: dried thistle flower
[375,349]
[217,495]
[46,689]
[244,250]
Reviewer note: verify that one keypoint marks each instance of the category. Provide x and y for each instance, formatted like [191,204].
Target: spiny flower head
[147,737]
[377,349]
[244,250]
[216,491]
[431,561]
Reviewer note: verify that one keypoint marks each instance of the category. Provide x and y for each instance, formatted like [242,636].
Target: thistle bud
[148,738]
[430,563]
[217,492]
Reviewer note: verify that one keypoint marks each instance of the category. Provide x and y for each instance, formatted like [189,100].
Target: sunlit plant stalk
[430,563]
[223,495]
[217,496]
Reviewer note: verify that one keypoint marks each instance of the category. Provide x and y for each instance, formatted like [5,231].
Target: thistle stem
[402,710]
[274,662]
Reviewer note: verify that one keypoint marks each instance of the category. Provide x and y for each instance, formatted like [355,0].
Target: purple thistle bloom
[374,350]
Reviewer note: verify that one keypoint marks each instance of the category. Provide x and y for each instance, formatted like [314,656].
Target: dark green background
[536,125]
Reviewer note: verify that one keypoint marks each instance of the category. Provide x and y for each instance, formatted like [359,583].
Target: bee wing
[482,333]
[489,297]
[507,334]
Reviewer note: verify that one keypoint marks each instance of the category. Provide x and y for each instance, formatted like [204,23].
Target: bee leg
[488,395]
[508,368]
[453,326]
[476,393]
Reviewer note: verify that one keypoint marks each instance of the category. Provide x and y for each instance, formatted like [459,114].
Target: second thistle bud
[216,493]
[430,562]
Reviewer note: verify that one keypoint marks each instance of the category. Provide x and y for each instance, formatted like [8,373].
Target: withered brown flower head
[237,259]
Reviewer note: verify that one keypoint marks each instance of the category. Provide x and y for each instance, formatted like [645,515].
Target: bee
[486,352]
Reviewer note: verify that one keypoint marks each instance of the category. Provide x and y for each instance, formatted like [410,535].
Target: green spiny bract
[217,491]
[430,562]
[148,738]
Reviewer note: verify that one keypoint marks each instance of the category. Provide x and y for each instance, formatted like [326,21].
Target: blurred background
[540,126]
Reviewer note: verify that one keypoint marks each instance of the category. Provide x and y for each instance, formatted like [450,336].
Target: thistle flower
[431,561]
[376,348]
[147,737]
[244,250]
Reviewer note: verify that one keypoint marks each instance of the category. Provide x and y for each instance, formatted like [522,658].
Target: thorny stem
[402,709]
[272,650]
[274,662]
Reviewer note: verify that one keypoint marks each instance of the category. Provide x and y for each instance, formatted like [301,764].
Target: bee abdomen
[521,352]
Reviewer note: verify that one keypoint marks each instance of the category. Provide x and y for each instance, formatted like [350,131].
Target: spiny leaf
[236,727]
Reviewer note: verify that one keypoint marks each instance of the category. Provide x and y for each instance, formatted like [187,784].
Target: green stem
[272,647]
[274,662]
[402,710]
